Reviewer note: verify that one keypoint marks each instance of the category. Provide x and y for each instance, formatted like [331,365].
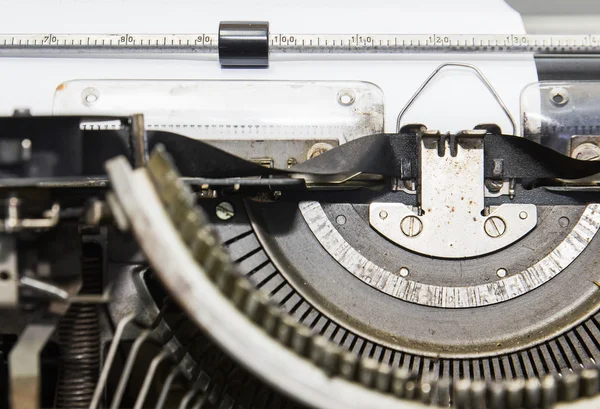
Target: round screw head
[404,272]
[90,96]
[411,226]
[586,151]
[559,96]
[340,219]
[317,149]
[501,272]
[494,226]
[346,97]
[383,215]
[523,215]
[494,185]
[224,211]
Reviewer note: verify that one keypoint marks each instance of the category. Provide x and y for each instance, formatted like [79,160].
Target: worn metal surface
[451,192]
[318,284]
[561,114]
[234,112]
[374,375]
[452,297]
[249,344]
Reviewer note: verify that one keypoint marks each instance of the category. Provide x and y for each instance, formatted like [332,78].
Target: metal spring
[79,339]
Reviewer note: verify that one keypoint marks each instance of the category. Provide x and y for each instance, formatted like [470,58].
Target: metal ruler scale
[131,44]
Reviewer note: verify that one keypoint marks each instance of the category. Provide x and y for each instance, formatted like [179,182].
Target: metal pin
[410,388]
[367,370]
[515,393]
[462,396]
[443,392]
[272,320]
[589,382]
[139,140]
[285,329]
[497,394]
[317,350]
[255,306]
[25,150]
[348,365]
[427,389]
[549,392]
[383,378]
[301,340]
[331,360]
[569,387]
[478,394]
[399,379]
[533,393]
[240,292]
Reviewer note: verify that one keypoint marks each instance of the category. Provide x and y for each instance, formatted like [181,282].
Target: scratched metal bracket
[451,221]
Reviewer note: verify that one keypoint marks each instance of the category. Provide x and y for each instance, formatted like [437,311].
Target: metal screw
[341,219]
[346,97]
[501,272]
[494,185]
[383,215]
[90,95]
[563,221]
[404,272]
[224,211]
[411,226]
[317,149]
[494,226]
[291,162]
[586,151]
[523,215]
[410,185]
[559,96]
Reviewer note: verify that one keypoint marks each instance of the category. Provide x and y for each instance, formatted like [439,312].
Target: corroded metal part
[267,340]
[445,296]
